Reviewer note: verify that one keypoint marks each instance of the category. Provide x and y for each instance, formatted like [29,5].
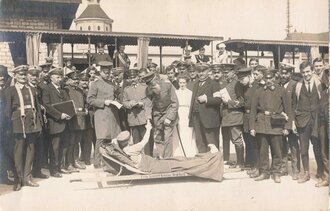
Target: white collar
[19,85]
[57,87]
[31,85]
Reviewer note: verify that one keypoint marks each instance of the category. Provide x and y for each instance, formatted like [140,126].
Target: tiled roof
[94,11]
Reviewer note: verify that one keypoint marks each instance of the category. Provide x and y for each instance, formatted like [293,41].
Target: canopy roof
[81,37]
[239,45]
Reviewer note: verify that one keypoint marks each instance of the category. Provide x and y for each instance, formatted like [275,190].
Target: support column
[161,59]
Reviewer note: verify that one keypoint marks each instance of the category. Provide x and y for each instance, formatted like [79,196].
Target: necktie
[309,87]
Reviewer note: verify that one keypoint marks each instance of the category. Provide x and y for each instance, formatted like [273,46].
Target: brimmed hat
[84,76]
[34,71]
[148,77]
[269,73]
[202,67]
[241,73]
[227,67]
[133,72]
[20,69]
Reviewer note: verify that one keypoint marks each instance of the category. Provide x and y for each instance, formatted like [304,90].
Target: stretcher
[133,174]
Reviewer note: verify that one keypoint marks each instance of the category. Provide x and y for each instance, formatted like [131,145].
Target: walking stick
[177,128]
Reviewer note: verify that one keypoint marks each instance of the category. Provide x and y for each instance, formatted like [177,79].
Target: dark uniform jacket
[50,96]
[209,111]
[78,122]
[31,120]
[273,101]
[165,105]
[249,92]
[232,112]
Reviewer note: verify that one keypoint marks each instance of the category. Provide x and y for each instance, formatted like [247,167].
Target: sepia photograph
[161,105]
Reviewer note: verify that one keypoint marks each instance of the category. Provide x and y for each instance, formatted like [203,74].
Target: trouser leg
[199,133]
[87,144]
[97,154]
[318,155]
[275,147]
[39,154]
[29,156]
[55,153]
[324,139]
[284,150]
[304,136]
[249,149]
[295,152]
[168,142]
[18,157]
[264,153]
[225,143]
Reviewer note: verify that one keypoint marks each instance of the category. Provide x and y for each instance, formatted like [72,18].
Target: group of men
[257,108]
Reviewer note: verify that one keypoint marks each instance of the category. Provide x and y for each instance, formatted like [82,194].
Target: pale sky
[251,19]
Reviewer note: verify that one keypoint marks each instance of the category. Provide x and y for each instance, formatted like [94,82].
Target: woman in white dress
[187,147]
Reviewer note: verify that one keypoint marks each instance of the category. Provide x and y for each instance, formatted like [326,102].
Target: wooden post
[60,53]
[293,56]
[161,59]
[279,56]
[258,51]
[212,56]
[71,53]
[116,49]
[89,51]
[246,58]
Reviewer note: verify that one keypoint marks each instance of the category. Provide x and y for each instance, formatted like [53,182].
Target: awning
[239,45]
[81,37]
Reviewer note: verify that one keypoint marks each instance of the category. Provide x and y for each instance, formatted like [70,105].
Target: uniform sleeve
[253,114]
[46,99]
[92,97]
[172,111]
[239,101]
[8,104]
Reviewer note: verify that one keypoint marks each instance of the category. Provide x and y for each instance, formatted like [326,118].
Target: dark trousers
[97,155]
[39,155]
[204,136]
[88,139]
[73,148]
[23,156]
[59,146]
[324,138]
[235,136]
[305,135]
[138,133]
[251,150]
[47,146]
[290,142]
[274,143]
[6,154]
[225,132]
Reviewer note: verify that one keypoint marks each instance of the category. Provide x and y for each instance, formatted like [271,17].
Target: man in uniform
[138,106]
[21,109]
[193,77]
[77,124]
[306,101]
[204,114]
[201,58]
[232,114]
[57,121]
[100,96]
[291,140]
[33,79]
[269,121]
[164,113]
[88,137]
[101,55]
[121,59]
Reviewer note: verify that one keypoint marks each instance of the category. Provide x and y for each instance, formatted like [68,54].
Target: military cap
[73,75]
[202,67]
[285,64]
[118,70]
[216,67]
[181,65]
[34,71]
[3,70]
[152,65]
[123,136]
[21,69]
[84,76]
[227,67]
[148,77]
[105,64]
[240,63]
[169,68]
[260,68]
[56,71]
[241,73]
[286,69]
[269,73]
[45,64]
[175,63]
[133,72]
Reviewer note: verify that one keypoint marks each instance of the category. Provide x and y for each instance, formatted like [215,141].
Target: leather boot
[304,178]
[262,177]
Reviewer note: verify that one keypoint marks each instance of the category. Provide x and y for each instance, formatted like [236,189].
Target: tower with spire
[93,18]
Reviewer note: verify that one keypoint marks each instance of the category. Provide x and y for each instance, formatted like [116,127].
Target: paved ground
[236,192]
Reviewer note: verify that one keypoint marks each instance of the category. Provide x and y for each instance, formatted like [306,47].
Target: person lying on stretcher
[207,165]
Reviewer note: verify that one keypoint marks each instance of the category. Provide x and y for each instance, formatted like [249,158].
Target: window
[106,28]
[80,28]
[98,28]
[89,28]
